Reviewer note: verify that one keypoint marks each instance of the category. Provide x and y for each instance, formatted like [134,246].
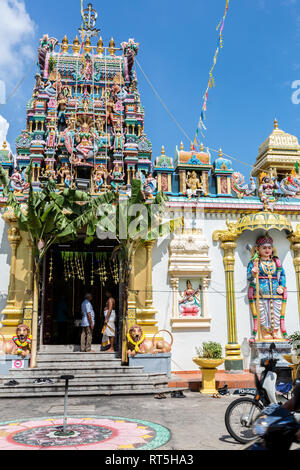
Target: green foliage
[51,64]
[294,340]
[4,181]
[210,350]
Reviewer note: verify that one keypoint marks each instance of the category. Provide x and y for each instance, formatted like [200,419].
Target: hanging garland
[74,263]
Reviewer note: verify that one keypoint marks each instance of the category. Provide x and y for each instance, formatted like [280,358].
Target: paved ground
[195,422]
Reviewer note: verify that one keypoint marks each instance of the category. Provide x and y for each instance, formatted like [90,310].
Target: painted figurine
[266,271]
[190,303]
[267,191]
[17,181]
[193,184]
[150,186]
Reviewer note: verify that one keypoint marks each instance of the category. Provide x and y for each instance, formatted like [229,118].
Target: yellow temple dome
[278,154]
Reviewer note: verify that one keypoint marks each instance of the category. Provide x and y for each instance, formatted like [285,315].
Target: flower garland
[136,343]
[22,346]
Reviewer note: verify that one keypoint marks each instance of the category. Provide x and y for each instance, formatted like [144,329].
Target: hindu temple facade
[85,130]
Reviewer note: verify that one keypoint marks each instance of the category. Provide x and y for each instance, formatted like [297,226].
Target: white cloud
[16,39]
[4,126]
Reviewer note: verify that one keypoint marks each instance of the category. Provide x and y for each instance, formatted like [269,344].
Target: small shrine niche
[163,170]
[193,168]
[222,172]
[190,273]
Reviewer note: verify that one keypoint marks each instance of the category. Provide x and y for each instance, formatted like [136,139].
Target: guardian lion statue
[139,344]
[20,344]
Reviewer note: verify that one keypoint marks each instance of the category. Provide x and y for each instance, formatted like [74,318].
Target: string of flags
[211,81]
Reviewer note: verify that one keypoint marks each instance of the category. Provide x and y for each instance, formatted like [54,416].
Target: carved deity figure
[100,175]
[130,50]
[119,139]
[65,174]
[18,182]
[85,142]
[149,186]
[87,68]
[290,185]
[51,136]
[49,173]
[193,183]
[267,291]
[190,303]
[267,190]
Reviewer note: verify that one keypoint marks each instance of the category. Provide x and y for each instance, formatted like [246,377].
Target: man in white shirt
[87,324]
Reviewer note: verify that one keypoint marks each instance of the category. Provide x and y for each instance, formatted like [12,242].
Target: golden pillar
[294,240]
[146,315]
[233,359]
[13,315]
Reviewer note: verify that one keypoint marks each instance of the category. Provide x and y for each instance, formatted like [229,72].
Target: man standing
[108,330]
[87,324]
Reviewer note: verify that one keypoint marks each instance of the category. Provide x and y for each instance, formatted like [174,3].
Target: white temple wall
[185,341]
[5,257]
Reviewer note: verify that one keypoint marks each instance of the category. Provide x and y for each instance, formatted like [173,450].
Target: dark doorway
[71,271]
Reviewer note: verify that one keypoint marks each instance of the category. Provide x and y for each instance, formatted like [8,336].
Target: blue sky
[254,73]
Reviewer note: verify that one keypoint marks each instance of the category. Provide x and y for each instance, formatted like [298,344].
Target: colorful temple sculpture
[85,130]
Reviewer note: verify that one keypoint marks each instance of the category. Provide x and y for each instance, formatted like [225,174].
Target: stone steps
[75,363]
[89,379]
[94,374]
[76,356]
[85,385]
[76,370]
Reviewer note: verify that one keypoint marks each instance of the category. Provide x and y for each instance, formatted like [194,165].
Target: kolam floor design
[86,433]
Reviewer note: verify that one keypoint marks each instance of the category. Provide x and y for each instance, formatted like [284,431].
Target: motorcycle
[276,428]
[241,413]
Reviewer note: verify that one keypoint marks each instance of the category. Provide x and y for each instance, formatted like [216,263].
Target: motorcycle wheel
[236,415]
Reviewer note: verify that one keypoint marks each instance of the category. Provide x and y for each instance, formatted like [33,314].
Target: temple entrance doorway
[70,271]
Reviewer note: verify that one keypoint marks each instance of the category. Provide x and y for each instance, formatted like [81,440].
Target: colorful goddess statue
[267,291]
[149,186]
[267,191]
[190,303]
[86,146]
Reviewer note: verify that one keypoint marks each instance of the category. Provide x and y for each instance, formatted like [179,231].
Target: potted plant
[294,357]
[209,357]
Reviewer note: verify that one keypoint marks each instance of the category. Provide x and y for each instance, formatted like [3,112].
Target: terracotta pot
[209,369]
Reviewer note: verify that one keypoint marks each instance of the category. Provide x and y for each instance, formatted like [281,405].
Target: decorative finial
[181,146]
[220,153]
[275,124]
[89,17]
[112,45]
[87,45]
[163,150]
[65,44]
[76,45]
[4,146]
[202,147]
[100,48]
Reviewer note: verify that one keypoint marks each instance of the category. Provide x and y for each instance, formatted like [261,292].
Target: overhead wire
[253,168]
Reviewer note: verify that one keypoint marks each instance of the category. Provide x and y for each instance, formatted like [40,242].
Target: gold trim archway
[260,220]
